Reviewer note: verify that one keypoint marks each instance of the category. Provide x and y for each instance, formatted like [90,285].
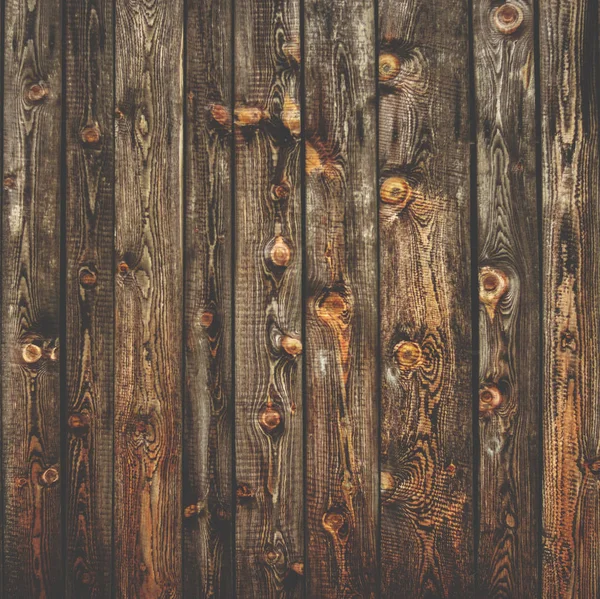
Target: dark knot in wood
[490,398]
[408,355]
[291,345]
[508,18]
[389,66]
[270,419]
[396,190]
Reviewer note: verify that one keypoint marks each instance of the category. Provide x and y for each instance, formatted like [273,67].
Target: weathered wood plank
[89,229]
[31,299]
[148,298]
[509,362]
[268,313]
[571,317]
[341,304]
[208,468]
[426,428]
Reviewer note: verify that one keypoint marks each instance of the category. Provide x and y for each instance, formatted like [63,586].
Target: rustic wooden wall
[300,299]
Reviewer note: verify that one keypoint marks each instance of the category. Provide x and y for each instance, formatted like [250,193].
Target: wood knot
[50,476]
[493,284]
[123,268]
[333,307]
[408,355]
[272,557]
[270,419]
[21,482]
[334,522]
[291,345]
[396,190]
[508,18]
[10,182]
[206,318]
[281,191]
[248,116]
[191,510]
[221,115]
[510,520]
[87,277]
[489,399]
[280,253]
[594,466]
[290,116]
[389,66]
[244,493]
[387,481]
[32,353]
[36,93]
[78,422]
[298,568]
[291,50]
[90,135]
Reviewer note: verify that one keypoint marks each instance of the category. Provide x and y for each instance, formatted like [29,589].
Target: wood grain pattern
[509,359]
[426,428]
[571,246]
[341,302]
[268,295]
[89,230]
[30,300]
[148,298]
[208,468]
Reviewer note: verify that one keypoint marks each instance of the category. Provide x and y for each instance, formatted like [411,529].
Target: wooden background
[300,299]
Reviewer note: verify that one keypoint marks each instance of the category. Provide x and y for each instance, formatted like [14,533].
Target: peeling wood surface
[300,299]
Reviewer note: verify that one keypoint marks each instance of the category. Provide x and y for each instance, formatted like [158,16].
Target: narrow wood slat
[268,314]
[31,299]
[148,298]
[571,317]
[426,428]
[509,366]
[89,229]
[341,302]
[207,484]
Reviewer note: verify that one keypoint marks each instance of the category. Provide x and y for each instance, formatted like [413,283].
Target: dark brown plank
[571,317]
[341,303]
[268,310]
[509,360]
[31,299]
[148,298]
[89,301]
[207,484]
[426,428]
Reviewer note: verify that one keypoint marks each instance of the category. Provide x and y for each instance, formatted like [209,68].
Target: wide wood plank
[30,300]
[509,360]
[208,467]
[426,428]
[89,229]
[341,302]
[571,317]
[148,298]
[268,314]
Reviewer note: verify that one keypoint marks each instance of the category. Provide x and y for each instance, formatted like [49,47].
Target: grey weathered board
[300,299]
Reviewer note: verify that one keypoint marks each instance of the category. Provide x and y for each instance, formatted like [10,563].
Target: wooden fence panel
[207,483]
[31,427]
[89,231]
[268,294]
[148,298]
[426,428]
[509,345]
[341,299]
[571,318]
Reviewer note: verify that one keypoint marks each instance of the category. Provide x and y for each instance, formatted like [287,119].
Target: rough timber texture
[148,298]
[426,428]
[571,250]
[509,372]
[89,227]
[207,484]
[31,428]
[341,301]
[268,309]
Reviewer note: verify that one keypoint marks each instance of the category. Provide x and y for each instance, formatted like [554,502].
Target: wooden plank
[208,468]
[426,428]
[509,366]
[268,310]
[148,298]
[341,304]
[89,223]
[571,317]
[31,299]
